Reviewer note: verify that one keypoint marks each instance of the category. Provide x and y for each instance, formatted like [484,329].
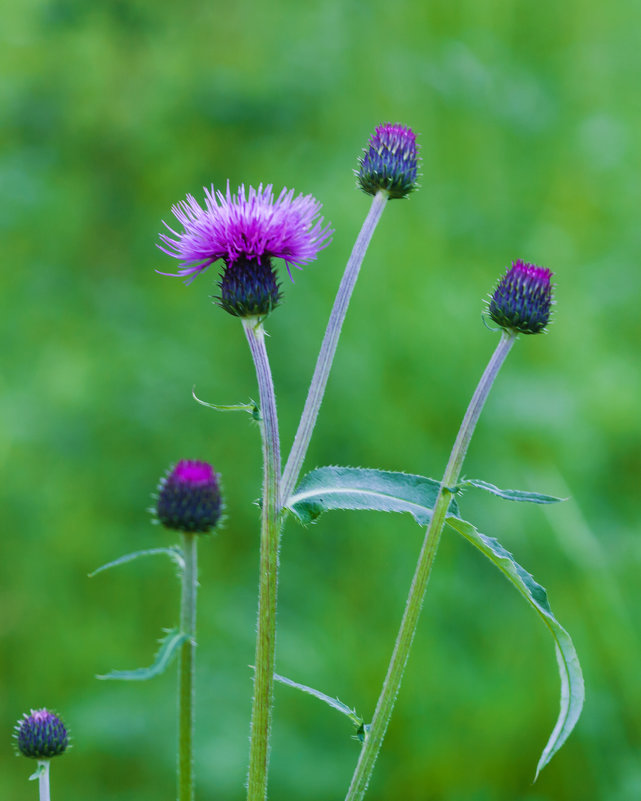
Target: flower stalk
[392,683]
[328,348]
[186,670]
[268,571]
[44,791]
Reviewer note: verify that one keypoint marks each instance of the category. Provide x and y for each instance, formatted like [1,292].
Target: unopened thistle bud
[189,498]
[522,300]
[41,735]
[390,162]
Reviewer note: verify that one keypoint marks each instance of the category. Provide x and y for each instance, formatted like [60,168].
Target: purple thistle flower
[246,231]
[522,300]
[390,163]
[189,498]
[41,735]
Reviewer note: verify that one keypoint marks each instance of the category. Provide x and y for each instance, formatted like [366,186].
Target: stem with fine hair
[328,348]
[44,792]
[392,683]
[268,575]
[186,670]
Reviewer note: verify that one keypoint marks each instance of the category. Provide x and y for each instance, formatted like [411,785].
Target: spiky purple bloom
[246,231]
[41,735]
[390,162]
[189,498]
[522,300]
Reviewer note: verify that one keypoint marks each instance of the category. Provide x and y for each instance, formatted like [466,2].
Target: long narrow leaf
[169,646]
[510,494]
[333,702]
[328,488]
[174,553]
[572,690]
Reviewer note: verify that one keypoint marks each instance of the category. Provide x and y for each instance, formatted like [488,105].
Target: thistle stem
[268,576]
[186,670]
[392,683]
[328,348]
[43,780]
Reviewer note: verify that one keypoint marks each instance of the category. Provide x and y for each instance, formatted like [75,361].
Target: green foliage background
[529,124]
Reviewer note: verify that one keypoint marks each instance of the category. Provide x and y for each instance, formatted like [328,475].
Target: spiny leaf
[510,494]
[251,407]
[174,553]
[328,488]
[169,646]
[333,702]
[572,690]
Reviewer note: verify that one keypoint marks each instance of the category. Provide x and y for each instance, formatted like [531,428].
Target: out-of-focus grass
[528,120]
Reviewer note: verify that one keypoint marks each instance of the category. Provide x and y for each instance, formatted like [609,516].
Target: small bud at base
[41,735]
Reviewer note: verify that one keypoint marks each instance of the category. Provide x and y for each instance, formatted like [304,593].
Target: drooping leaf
[328,488]
[169,646]
[510,494]
[357,720]
[174,553]
[572,690]
[251,407]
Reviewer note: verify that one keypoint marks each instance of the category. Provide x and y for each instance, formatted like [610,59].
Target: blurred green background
[529,121]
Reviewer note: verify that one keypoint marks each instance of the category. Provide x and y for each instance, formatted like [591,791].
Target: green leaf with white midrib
[572,689]
[331,488]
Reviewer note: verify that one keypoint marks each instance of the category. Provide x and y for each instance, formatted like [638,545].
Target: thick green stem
[392,683]
[268,578]
[186,671]
[43,779]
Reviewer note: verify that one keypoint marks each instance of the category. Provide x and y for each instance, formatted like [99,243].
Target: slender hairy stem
[392,683]
[268,578]
[328,348]
[186,671]
[43,779]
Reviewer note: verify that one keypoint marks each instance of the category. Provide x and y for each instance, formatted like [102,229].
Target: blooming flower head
[390,163]
[41,735]
[189,498]
[246,231]
[522,300]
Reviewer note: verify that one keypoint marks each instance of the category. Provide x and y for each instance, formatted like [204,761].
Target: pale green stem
[328,348]
[268,577]
[186,670]
[392,683]
[43,779]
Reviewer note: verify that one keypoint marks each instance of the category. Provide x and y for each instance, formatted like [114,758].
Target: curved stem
[392,683]
[186,670]
[328,348]
[268,578]
[43,779]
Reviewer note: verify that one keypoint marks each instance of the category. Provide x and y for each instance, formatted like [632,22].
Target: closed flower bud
[390,162]
[522,300]
[189,498]
[41,735]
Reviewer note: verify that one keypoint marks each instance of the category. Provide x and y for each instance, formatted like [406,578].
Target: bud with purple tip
[522,300]
[189,498]
[41,735]
[390,163]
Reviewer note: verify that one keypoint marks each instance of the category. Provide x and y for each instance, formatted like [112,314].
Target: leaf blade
[510,494]
[328,699]
[331,488]
[572,688]
[174,553]
[169,646]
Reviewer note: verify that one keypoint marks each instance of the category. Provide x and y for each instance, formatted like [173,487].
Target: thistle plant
[41,735]
[249,233]
[188,501]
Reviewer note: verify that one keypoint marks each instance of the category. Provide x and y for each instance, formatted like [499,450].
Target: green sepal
[572,690]
[174,552]
[328,488]
[509,494]
[42,767]
[169,646]
[251,407]
[356,719]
